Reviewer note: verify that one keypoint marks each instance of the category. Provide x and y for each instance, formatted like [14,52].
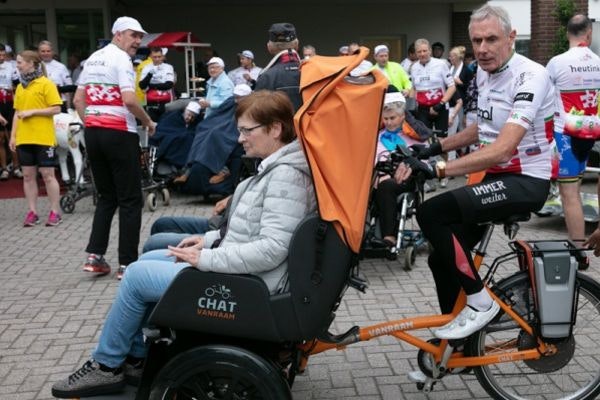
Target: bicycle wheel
[219,372]
[572,373]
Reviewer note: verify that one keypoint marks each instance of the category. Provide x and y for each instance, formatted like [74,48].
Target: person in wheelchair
[514,133]
[265,211]
[399,131]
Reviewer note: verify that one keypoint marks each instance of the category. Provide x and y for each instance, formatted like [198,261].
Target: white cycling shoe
[466,322]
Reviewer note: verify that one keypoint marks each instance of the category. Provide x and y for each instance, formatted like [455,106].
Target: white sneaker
[466,322]
[443,182]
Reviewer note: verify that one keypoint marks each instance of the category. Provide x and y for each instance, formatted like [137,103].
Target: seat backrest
[319,264]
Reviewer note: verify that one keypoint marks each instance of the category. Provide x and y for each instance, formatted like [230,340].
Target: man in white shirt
[157,79]
[247,72]
[56,71]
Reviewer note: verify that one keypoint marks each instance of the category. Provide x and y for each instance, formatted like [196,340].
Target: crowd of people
[515,111]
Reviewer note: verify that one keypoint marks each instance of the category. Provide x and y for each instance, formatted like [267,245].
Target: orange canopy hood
[338,126]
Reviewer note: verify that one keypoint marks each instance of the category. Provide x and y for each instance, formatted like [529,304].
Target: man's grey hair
[486,11]
[420,42]
[45,43]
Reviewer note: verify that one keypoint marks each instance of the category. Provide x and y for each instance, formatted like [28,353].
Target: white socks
[480,301]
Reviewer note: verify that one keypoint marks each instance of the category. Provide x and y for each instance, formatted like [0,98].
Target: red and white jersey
[520,92]
[576,77]
[58,73]
[106,74]
[8,73]
[161,73]
[430,81]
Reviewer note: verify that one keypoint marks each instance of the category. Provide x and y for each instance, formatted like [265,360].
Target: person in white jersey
[576,77]
[247,72]
[57,72]
[514,130]
[157,79]
[8,77]
[105,100]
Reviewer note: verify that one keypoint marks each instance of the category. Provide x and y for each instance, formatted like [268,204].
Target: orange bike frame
[399,329]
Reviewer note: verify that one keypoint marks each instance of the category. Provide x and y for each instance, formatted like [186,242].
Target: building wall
[544,27]
[233,28]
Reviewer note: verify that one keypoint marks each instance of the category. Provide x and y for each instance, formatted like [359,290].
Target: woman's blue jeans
[142,286]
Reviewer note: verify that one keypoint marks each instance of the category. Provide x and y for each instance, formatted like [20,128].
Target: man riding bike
[514,129]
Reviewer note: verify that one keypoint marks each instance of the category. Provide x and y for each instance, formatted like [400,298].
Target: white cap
[381,48]
[193,106]
[242,90]
[394,97]
[247,54]
[8,49]
[124,23]
[216,60]
[164,51]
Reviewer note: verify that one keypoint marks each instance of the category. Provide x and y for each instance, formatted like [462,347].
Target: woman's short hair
[267,107]
[396,106]
[33,57]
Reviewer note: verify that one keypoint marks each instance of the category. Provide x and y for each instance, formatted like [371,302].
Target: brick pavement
[51,312]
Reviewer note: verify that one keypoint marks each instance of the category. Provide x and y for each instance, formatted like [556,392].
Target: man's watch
[440,169]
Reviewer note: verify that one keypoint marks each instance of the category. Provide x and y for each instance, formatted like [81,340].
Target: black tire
[219,372]
[67,204]
[572,373]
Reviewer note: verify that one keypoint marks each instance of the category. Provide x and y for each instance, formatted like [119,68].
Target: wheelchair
[220,336]
[409,238]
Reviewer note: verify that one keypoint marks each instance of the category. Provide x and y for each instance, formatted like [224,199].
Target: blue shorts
[573,154]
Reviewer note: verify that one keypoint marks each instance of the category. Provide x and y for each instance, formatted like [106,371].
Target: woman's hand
[25,114]
[3,121]
[593,242]
[221,205]
[190,255]
[192,241]
[403,172]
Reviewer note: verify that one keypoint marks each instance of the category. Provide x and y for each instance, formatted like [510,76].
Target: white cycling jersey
[8,73]
[576,76]
[106,74]
[520,92]
[58,73]
[161,73]
[430,81]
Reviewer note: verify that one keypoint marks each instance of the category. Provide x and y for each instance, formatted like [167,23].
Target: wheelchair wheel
[67,204]
[410,256]
[151,201]
[219,372]
[166,197]
[573,372]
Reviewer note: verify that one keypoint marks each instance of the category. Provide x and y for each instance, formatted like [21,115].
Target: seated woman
[397,132]
[265,211]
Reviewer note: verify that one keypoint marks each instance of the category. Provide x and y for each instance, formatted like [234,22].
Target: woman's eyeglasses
[247,131]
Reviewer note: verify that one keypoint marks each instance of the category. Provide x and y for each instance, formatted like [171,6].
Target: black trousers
[451,222]
[115,160]
[438,122]
[386,199]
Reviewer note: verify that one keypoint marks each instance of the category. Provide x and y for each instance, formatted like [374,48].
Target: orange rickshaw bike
[223,336]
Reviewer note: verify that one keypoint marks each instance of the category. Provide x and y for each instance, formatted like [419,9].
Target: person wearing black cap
[283,71]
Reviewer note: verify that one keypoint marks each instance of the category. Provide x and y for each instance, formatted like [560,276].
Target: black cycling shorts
[31,155]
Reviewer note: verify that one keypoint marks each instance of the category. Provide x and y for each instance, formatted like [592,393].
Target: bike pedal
[417,377]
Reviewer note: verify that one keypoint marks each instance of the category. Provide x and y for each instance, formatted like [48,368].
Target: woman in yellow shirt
[32,135]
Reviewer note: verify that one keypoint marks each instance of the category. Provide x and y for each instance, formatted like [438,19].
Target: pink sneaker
[31,219]
[53,219]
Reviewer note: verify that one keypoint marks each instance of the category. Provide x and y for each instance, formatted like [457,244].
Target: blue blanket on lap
[173,139]
[216,138]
